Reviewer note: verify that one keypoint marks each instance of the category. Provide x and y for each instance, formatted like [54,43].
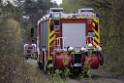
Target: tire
[26,57]
[54,61]
[76,71]
[40,65]
[44,62]
[36,56]
[101,58]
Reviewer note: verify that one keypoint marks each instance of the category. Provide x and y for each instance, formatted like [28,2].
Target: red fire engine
[30,51]
[69,40]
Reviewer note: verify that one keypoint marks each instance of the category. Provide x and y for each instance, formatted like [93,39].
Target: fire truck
[69,40]
[30,51]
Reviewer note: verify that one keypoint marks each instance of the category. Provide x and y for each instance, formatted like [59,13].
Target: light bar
[97,15]
[88,15]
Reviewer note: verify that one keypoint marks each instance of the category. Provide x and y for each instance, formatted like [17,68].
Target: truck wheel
[44,62]
[76,71]
[101,60]
[54,61]
[26,57]
[40,65]
[36,56]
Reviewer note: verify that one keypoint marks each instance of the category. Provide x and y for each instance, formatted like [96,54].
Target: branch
[108,2]
[103,4]
[93,5]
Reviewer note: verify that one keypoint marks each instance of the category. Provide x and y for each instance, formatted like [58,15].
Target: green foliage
[70,5]
[56,76]
[66,72]
[29,7]
[11,40]
[60,75]
[12,28]
[86,71]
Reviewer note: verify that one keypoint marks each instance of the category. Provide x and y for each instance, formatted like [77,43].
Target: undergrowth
[59,76]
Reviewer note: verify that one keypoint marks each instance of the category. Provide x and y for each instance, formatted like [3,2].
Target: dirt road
[99,76]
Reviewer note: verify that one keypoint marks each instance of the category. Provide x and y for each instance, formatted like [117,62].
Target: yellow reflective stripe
[50,19]
[95,19]
[96,32]
[53,36]
[94,43]
[51,33]
[97,39]
[93,24]
[52,39]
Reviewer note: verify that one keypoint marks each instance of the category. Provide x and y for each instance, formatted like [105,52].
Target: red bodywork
[93,61]
[58,60]
[29,48]
[61,61]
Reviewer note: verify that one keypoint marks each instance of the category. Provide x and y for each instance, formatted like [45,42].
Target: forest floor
[100,76]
